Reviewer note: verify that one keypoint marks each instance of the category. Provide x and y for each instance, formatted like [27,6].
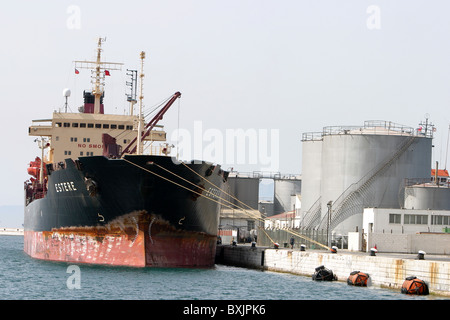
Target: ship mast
[98,86]
[140,148]
[98,70]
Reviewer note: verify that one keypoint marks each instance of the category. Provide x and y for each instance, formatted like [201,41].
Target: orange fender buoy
[412,285]
[358,278]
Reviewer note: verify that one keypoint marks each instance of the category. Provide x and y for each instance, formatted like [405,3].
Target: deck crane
[132,146]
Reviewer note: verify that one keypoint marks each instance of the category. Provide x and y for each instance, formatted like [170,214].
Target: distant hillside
[11,216]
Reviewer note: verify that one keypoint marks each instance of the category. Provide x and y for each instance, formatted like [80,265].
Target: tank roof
[371,127]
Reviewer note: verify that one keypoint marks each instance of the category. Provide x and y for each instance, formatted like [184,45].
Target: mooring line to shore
[220,198]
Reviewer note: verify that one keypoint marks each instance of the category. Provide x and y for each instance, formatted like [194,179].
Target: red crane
[151,124]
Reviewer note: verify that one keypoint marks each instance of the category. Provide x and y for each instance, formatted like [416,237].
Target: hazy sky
[274,68]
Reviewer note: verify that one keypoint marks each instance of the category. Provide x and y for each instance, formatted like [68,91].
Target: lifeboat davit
[412,285]
[323,274]
[358,278]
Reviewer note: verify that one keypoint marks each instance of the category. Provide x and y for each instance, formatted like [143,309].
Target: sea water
[25,278]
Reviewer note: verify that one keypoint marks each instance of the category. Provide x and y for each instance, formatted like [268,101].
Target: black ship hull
[135,211]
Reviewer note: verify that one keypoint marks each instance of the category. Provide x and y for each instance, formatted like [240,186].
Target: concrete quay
[11,232]
[387,270]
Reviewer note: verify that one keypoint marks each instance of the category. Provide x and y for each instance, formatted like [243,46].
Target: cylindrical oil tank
[364,165]
[381,160]
[244,188]
[286,191]
[427,197]
[311,169]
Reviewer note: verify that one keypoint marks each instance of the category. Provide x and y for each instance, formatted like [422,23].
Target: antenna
[132,84]
[66,94]
[141,97]
[98,70]
[427,125]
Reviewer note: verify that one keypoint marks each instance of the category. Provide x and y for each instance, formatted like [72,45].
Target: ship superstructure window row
[92,125]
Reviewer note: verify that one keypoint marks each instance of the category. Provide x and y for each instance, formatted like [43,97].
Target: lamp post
[329,205]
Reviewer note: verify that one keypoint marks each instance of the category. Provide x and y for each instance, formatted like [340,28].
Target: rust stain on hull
[136,239]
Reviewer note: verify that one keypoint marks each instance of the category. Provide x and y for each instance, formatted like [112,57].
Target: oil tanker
[95,196]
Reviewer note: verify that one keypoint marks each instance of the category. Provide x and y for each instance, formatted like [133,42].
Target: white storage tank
[311,172]
[427,197]
[286,190]
[363,167]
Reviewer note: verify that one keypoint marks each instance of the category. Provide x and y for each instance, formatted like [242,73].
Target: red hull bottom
[124,243]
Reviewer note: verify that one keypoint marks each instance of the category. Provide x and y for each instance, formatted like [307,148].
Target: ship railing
[158,150]
[39,195]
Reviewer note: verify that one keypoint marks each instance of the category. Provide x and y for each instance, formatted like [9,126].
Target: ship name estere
[65,186]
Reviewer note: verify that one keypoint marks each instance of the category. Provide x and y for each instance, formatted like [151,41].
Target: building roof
[284,215]
[240,214]
[441,172]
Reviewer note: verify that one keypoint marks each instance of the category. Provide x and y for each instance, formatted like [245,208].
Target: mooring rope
[252,215]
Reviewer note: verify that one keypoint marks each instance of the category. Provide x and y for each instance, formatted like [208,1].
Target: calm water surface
[22,277]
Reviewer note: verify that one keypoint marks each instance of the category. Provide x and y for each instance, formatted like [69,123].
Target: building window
[73,139]
[66,124]
[440,220]
[86,139]
[58,124]
[75,125]
[416,219]
[67,153]
[98,125]
[106,126]
[82,125]
[395,218]
[90,125]
[121,126]
[81,153]
[114,126]
[129,127]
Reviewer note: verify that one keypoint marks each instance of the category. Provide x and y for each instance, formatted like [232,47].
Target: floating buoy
[323,274]
[412,285]
[358,278]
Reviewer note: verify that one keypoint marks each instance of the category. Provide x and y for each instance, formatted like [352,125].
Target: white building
[403,231]
[401,221]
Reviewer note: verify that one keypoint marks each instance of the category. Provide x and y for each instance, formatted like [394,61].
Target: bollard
[302,247]
[373,252]
[421,255]
[234,243]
